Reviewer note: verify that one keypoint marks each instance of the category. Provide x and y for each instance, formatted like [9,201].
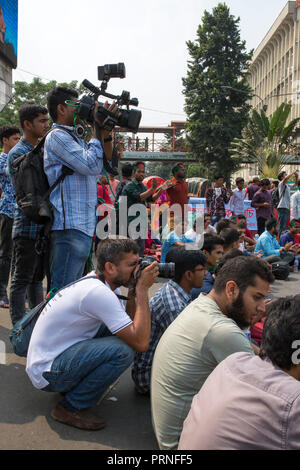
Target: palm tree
[270,143]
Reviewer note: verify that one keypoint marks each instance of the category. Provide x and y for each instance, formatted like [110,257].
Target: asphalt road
[25,422]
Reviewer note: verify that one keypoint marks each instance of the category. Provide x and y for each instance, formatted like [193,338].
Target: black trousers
[5,253]
[27,273]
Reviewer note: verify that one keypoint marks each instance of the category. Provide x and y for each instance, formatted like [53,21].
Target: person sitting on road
[84,338]
[259,406]
[175,238]
[204,334]
[269,246]
[231,239]
[290,234]
[213,250]
[167,303]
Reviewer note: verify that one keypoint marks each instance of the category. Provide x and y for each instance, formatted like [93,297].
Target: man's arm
[288,177]
[137,334]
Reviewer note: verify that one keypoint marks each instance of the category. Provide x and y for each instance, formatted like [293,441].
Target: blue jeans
[69,252]
[283,216]
[215,219]
[85,370]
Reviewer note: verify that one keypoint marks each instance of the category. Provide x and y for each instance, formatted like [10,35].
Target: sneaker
[82,419]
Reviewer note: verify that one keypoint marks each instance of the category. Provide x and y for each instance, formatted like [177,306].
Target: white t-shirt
[75,314]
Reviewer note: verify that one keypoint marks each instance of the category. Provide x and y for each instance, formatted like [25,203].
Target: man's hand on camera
[111,108]
[148,276]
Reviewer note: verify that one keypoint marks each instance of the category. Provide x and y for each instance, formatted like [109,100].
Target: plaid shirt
[8,201]
[165,306]
[75,200]
[22,227]
[216,198]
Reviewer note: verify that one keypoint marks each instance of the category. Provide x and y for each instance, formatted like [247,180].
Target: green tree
[35,92]
[179,143]
[270,143]
[216,115]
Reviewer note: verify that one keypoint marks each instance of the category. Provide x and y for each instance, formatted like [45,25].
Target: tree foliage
[34,92]
[216,116]
[270,143]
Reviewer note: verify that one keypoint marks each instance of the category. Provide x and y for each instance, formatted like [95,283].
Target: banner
[197,206]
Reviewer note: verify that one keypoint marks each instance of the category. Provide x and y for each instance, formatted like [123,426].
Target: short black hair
[280,176]
[7,131]
[229,235]
[281,330]
[242,270]
[211,241]
[223,223]
[265,182]
[30,111]
[242,224]
[231,254]
[59,95]
[218,176]
[241,217]
[112,250]
[127,170]
[239,180]
[174,167]
[185,260]
[272,222]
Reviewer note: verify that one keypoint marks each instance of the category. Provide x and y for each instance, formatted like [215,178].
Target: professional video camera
[126,118]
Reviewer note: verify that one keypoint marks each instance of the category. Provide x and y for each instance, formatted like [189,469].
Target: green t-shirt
[133,191]
[189,350]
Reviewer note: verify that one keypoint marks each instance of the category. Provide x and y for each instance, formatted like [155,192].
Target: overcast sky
[66,40]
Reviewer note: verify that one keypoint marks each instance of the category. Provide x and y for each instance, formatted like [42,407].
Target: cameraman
[83,340]
[74,200]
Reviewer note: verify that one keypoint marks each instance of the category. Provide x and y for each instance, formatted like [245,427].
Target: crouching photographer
[84,339]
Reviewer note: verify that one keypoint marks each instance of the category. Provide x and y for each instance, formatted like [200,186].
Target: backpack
[275,197]
[281,270]
[20,334]
[31,185]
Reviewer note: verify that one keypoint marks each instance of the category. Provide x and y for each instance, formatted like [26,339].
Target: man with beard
[203,335]
[84,339]
[269,246]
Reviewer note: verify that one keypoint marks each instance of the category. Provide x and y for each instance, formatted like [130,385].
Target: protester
[290,234]
[9,137]
[269,246]
[213,250]
[259,405]
[236,203]
[216,198]
[196,233]
[283,207]
[262,202]
[137,194]
[225,223]
[84,339]
[175,238]
[247,244]
[242,218]
[231,239]
[112,188]
[207,227]
[295,204]
[74,200]
[27,270]
[104,209]
[177,192]
[203,335]
[252,188]
[126,173]
[167,303]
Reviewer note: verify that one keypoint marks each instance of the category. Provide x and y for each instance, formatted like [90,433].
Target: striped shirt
[165,306]
[75,199]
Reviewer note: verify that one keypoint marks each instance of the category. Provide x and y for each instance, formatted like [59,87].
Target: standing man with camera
[84,339]
[74,200]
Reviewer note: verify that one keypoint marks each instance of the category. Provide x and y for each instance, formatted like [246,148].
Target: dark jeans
[286,257]
[27,274]
[283,217]
[5,253]
[261,225]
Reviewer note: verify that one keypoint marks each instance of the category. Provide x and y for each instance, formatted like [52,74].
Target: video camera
[126,118]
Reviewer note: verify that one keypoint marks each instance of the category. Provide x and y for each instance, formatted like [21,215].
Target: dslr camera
[166,270]
[127,118]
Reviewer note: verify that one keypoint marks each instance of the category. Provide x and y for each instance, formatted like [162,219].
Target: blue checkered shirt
[167,303]
[22,226]
[75,199]
[7,201]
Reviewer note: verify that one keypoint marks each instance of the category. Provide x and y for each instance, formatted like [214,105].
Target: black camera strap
[113,168]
